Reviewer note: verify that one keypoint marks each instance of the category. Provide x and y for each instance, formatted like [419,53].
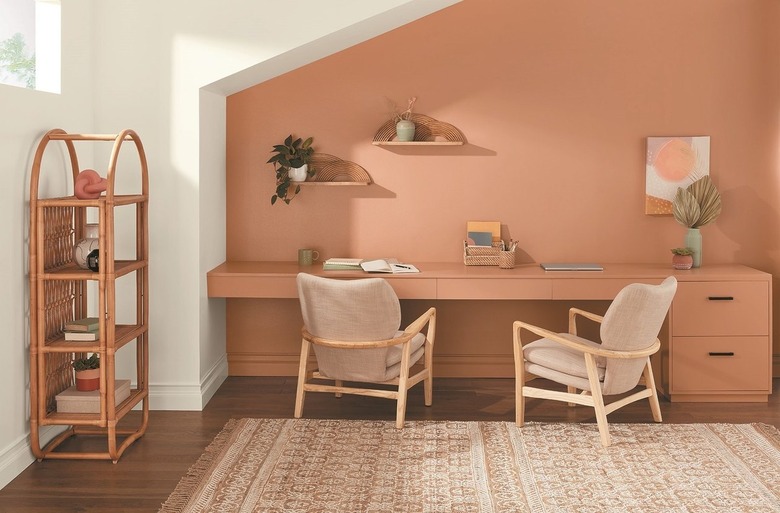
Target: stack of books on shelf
[86,329]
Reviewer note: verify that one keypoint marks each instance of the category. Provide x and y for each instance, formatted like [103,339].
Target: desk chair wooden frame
[403,382]
[593,399]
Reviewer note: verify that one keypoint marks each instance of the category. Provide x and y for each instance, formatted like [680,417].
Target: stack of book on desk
[87,329]
[342,264]
[381,265]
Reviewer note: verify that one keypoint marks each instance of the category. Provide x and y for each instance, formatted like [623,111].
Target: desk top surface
[455,280]
[459,270]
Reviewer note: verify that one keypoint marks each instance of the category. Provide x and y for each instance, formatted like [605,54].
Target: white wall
[25,115]
[163,69]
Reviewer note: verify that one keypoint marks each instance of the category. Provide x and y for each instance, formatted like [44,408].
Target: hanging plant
[292,154]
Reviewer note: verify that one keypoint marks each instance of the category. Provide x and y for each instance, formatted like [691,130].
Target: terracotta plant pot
[88,380]
[682,262]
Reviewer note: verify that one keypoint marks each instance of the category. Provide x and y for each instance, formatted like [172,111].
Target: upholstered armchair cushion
[548,359]
[373,365]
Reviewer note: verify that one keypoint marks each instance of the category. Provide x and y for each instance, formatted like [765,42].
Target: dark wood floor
[150,469]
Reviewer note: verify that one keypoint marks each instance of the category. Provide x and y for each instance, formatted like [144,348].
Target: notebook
[556,266]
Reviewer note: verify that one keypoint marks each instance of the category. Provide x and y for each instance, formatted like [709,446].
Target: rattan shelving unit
[59,292]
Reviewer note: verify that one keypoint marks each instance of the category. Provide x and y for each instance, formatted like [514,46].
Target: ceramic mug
[307,256]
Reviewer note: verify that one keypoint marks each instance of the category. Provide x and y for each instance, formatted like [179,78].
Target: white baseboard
[18,456]
[189,397]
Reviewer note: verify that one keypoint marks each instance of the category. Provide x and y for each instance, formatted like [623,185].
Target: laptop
[555,266]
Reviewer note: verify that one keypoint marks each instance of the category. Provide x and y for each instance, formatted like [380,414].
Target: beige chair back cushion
[633,322]
[350,310]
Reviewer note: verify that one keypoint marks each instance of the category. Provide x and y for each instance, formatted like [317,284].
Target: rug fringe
[186,487]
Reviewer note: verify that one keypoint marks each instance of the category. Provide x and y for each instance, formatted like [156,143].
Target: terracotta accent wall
[555,99]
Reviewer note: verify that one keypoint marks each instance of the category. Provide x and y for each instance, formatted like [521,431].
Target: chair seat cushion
[561,360]
[394,352]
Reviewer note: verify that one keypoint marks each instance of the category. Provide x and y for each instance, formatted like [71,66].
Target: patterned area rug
[344,466]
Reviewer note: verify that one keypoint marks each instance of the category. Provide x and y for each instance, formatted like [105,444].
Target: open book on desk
[387,265]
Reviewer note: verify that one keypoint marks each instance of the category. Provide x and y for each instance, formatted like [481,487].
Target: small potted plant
[682,258]
[291,164]
[87,373]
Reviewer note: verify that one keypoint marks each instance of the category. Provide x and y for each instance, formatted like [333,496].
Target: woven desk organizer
[482,255]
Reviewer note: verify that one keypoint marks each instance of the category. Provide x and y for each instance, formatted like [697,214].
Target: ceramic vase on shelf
[83,249]
[693,241]
[404,130]
[298,174]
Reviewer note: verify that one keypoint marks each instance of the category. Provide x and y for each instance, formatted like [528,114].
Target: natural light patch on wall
[30,44]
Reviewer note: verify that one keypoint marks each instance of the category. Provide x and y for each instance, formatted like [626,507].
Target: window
[30,44]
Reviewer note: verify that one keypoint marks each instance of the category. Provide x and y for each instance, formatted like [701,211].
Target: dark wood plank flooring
[150,469]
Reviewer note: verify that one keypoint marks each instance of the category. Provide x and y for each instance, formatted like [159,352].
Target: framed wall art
[673,162]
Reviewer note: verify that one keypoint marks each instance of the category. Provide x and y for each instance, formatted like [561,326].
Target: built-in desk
[717,341]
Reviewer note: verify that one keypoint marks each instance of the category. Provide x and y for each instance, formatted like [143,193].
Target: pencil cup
[307,256]
[506,259]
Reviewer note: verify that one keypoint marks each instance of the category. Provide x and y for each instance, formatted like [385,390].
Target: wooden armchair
[629,332]
[353,326]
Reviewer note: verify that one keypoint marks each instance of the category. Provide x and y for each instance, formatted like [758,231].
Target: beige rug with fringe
[344,466]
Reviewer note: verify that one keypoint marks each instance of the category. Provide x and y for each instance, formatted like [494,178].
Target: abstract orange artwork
[673,162]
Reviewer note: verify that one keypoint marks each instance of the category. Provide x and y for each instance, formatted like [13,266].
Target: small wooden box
[73,401]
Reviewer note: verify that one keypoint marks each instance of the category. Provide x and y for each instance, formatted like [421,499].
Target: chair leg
[519,376]
[655,406]
[403,386]
[598,400]
[428,382]
[338,383]
[571,390]
[299,395]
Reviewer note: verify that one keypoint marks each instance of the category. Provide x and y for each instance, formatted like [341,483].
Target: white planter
[298,174]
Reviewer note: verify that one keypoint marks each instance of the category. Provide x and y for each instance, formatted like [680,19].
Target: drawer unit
[720,346]
[721,308]
[720,364]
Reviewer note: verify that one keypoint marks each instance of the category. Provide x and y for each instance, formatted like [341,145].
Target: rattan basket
[481,255]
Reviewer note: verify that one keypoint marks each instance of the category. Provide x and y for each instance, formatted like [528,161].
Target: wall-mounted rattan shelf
[331,170]
[59,294]
[417,143]
[428,132]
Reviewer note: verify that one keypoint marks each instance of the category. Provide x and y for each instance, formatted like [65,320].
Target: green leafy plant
[698,204]
[682,251]
[293,153]
[14,62]
[82,364]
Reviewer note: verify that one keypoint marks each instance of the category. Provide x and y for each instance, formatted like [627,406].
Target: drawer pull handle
[721,298]
[729,353]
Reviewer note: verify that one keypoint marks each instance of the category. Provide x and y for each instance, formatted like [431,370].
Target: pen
[402,266]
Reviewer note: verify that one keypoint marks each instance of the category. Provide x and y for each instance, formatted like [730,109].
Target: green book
[86,324]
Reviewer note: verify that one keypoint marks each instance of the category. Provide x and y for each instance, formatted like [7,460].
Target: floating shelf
[428,132]
[331,170]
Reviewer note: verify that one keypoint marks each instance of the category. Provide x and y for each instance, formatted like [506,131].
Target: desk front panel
[508,288]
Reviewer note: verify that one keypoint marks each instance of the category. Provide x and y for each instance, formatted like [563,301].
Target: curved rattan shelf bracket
[427,129]
[328,168]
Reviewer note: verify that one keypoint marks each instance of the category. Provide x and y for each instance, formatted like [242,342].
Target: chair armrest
[409,333]
[429,318]
[574,312]
[577,346]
